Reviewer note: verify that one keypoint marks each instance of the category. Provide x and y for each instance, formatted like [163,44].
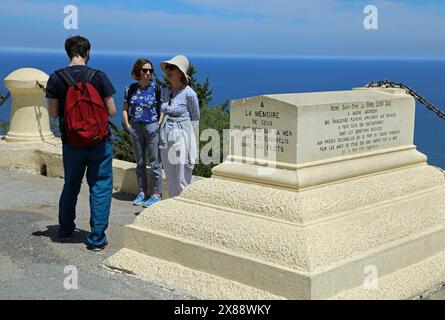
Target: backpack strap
[90,75]
[67,78]
[88,78]
[131,89]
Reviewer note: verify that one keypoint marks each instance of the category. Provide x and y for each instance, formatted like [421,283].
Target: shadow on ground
[123,196]
[129,198]
[79,236]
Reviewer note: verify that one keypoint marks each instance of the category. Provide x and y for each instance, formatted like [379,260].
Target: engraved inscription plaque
[307,127]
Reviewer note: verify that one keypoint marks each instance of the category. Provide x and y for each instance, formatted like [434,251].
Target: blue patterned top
[183,103]
[142,107]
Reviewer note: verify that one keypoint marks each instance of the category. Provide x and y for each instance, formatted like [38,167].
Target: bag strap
[130,91]
[90,75]
[67,78]
[88,78]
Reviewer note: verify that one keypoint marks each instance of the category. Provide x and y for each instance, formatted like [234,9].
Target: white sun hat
[181,62]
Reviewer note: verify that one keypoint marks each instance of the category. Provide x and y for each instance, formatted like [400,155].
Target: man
[95,159]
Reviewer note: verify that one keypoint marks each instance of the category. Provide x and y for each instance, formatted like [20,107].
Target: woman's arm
[125,121]
[164,99]
[161,117]
[125,107]
[193,108]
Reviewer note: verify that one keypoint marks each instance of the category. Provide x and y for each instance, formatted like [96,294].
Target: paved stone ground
[32,261]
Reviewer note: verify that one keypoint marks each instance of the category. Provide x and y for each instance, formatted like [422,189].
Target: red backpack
[85,114]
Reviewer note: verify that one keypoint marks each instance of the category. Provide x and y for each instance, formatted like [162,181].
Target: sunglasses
[147,70]
[170,67]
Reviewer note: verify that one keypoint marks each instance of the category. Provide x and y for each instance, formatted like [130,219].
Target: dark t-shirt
[56,88]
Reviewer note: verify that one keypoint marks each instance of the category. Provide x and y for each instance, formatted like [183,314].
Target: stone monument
[29,113]
[323,196]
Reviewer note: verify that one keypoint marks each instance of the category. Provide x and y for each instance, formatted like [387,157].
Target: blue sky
[232,27]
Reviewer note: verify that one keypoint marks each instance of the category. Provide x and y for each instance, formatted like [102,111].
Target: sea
[240,77]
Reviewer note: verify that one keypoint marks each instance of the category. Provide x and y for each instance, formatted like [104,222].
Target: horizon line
[228,56]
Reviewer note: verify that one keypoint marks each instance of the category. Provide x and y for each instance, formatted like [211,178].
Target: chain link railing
[4,97]
[421,99]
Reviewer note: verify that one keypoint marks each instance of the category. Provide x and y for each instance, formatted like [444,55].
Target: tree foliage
[122,145]
[217,118]
[4,127]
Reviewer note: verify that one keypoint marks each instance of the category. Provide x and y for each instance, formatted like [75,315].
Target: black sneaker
[97,249]
[62,236]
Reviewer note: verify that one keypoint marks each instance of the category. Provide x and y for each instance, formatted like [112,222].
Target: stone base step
[190,282]
[407,283]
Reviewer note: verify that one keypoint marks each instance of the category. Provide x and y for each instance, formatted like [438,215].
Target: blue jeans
[145,137]
[97,161]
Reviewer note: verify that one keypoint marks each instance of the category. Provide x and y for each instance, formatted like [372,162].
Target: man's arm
[53,106]
[109,104]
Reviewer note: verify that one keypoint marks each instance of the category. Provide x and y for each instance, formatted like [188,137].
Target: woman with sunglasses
[179,119]
[140,117]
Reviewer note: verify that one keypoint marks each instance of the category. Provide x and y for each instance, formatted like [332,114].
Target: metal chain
[422,100]
[41,86]
[4,97]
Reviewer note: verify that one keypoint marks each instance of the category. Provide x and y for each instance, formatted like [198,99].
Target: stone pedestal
[333,201]
[29,114]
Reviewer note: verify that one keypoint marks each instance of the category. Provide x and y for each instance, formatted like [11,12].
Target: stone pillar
[29,113]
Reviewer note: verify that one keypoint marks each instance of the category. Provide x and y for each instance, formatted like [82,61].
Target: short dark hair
[77,46]
[137,67]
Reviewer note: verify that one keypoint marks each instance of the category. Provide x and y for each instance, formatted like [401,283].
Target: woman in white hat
[179,119]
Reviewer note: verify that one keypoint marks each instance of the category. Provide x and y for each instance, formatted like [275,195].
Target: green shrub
[4,127]
[217,118]
[122,145]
